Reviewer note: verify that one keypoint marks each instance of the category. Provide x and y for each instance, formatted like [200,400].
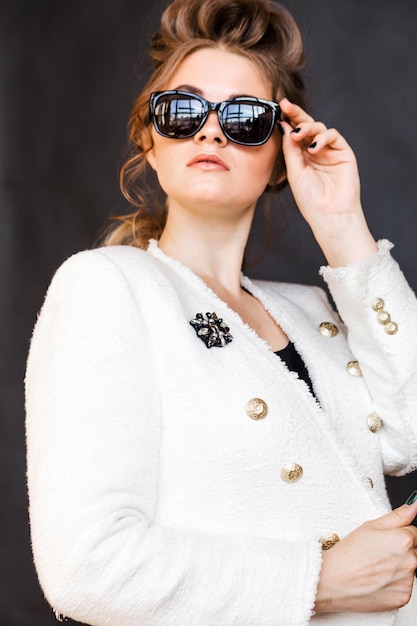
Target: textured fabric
[154,499]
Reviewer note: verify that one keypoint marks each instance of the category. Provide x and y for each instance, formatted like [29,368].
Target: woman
[180,472]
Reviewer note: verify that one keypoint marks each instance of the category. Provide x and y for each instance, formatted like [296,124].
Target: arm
[387,353]
[93,429]
[372,568]
[324,179]
[323,175]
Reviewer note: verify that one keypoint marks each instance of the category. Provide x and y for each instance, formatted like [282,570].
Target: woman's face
[232,182]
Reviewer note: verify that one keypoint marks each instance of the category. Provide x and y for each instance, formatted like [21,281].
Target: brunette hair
[262,31]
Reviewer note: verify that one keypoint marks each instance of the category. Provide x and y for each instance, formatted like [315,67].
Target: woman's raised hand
[372,568]
[323,176]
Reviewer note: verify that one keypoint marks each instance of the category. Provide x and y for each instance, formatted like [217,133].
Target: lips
[207,161]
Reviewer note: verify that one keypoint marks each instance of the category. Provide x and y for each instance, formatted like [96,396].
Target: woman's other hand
[371,569]
[323,176]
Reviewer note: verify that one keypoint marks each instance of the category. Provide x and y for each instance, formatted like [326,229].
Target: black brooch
[211,329]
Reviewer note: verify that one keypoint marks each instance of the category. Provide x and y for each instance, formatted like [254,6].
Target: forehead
[219,74]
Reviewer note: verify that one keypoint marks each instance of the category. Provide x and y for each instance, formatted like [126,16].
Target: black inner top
[295,363]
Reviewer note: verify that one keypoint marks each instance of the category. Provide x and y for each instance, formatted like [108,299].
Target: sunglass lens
[247,123]
[178,116]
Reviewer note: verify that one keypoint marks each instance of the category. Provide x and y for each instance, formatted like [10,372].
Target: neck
[213,249]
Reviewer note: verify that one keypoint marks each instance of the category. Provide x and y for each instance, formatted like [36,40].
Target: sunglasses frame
[219,107]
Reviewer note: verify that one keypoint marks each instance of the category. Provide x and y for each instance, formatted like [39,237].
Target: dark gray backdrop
[69,70]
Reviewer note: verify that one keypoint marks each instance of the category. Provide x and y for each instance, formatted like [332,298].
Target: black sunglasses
[244,120]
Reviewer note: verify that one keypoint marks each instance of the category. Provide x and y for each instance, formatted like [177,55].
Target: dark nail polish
[313,145]
[281,128]
[296,130]
[411,499]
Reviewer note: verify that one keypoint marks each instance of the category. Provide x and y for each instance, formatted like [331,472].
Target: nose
[211,131]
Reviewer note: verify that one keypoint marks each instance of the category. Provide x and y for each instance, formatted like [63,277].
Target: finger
[328,138]
[294,152]
[294,113]
[398,518]
[307,130]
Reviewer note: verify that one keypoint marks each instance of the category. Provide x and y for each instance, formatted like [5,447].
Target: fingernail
[313,145]
[281,128]
[411,499]
[296,130]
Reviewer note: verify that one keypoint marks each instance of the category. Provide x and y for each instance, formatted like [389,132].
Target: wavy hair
[259,30]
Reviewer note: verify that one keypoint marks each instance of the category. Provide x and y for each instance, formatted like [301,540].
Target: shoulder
[113,276]
[109,264]
[121,257]
[99,290]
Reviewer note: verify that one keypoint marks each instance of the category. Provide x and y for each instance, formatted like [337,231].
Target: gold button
[370,482]
[377,304]
[383,317]
[291,472]
[374,422]
[256,408]
[353,368]
[328,541]
[391,328]
[328,329]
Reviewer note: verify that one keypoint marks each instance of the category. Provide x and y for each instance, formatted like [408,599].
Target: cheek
[264,165]
[159,151]
[166,164]
[159,156]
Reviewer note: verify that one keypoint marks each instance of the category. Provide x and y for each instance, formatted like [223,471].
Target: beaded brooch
[211,330]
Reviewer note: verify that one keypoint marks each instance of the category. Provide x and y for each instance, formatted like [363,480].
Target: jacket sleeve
[380,311]
[93,433]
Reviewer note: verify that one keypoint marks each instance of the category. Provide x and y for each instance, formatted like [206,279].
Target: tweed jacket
[157,497]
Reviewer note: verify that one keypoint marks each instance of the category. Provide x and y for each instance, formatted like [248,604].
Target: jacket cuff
[360,269]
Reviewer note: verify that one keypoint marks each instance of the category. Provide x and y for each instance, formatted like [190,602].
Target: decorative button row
[257,409]
[383,317]
[328,329]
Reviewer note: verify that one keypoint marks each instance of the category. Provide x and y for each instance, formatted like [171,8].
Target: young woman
[204,449]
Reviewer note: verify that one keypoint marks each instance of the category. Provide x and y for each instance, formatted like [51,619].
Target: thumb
[292,151]
[399,517]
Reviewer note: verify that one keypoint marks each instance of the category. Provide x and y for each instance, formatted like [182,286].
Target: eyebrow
[198,92]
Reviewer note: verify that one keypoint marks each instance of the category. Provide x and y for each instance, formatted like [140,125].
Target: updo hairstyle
[261,31]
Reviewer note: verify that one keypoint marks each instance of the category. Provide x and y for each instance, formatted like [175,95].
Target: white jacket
[155,499]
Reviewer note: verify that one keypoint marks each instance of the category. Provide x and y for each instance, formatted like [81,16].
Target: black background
[69,71]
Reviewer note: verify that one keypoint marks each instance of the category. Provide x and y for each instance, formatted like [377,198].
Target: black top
[295,363]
